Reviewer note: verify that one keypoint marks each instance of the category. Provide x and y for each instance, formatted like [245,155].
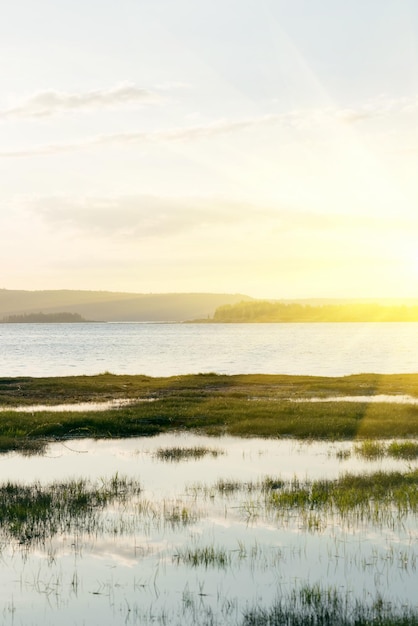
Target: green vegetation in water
[312,605]
[371,450]
[372,497]
[169,514]
[31,514]
[376,498]
[230,487]
[207,556]
[177,454]
[308,605]
[403,450]
[243,405]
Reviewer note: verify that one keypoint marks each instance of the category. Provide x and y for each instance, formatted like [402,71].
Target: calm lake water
[127,565]
[171,349]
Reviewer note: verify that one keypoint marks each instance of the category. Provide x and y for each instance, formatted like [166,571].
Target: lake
[335,349]
[201,543]
[184,530]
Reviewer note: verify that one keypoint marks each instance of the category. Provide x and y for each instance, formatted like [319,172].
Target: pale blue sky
[267,147]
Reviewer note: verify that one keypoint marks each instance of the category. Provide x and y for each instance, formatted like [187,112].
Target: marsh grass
[343,455]
[31,514]
[229,487]
[309,605]
[372,449]
[371,497]
[211,404]
[379,497]
[172,514]
[179,515]
[177,454]
[407,450]
[207,556]
[316,606]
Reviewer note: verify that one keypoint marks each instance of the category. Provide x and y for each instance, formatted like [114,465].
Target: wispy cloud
[298,120]
[140,216]
[143,216]
[188,133]
[50,102]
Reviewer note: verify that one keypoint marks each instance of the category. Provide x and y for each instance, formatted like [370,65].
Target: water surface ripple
[336,349]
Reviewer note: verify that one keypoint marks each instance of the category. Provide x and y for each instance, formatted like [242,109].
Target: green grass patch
[246,406]
[407,450]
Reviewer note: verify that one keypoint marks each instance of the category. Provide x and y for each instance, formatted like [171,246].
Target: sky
[263,147]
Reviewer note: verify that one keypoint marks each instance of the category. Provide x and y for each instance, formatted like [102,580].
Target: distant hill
[113,306]
[268,311]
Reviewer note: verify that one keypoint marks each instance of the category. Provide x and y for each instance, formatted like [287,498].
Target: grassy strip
[57,390]
[247,405]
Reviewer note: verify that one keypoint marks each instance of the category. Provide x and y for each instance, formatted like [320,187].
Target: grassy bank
[245,405]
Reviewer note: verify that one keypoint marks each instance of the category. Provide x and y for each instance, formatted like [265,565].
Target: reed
[407,450]
[370,496]
[33,513]
[206,556]
[370,449]
[177,454]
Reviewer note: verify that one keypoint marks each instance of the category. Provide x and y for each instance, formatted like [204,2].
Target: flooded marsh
[37,411]
[235,531]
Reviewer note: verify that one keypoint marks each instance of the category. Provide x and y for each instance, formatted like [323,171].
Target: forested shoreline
[44,318]
[267,311]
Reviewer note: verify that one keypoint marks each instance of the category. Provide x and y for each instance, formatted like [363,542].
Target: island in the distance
[259,311]
[44,318]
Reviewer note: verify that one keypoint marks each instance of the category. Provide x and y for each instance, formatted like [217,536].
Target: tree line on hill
[43,318]
[267,311]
